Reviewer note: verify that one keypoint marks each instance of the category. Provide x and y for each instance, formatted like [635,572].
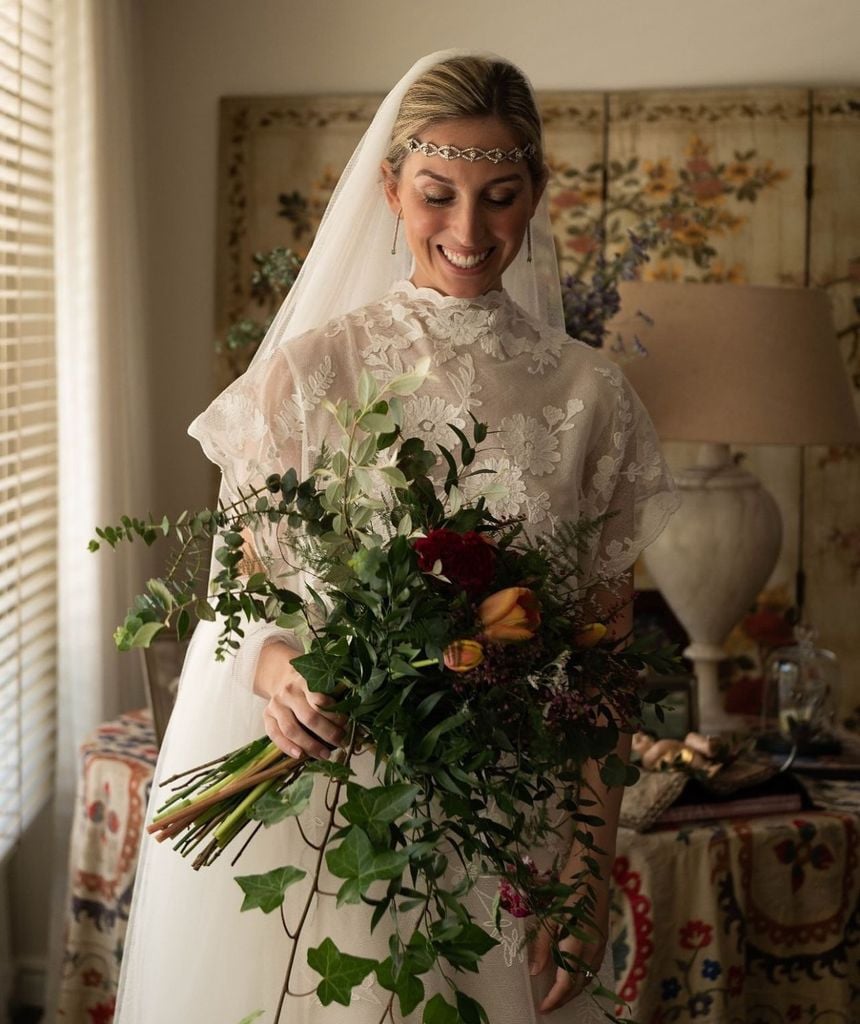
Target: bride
[436,243]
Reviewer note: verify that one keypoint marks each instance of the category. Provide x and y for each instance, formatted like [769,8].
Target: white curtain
[102,373]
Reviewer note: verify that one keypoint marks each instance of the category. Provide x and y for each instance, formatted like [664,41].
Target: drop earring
[396,229]
[529,242]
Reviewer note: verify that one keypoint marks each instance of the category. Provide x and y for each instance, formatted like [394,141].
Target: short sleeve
[625,478]
[255,426]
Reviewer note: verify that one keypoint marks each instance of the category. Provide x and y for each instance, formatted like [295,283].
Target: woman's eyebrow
[448,181]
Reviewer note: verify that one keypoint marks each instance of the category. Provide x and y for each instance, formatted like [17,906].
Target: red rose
[467,559]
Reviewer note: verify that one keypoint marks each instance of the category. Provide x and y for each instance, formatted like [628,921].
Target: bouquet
[466,661]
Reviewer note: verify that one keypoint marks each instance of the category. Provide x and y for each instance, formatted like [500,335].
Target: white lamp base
[711,561]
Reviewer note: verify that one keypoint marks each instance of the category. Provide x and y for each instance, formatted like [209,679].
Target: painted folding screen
[766,181]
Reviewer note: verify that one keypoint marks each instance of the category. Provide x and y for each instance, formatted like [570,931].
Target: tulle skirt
[191,956]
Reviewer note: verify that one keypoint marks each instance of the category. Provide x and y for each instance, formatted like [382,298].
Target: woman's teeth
[464,262]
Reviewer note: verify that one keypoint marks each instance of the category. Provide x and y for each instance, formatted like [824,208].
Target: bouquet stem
[219,802]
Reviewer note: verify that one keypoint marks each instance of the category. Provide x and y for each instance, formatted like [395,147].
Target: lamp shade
[736,363]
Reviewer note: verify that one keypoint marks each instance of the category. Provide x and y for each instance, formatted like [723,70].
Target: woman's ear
[390,186]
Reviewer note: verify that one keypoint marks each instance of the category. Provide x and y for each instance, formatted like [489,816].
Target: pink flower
[512,900]
[515,901]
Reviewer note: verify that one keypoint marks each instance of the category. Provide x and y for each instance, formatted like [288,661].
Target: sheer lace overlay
[569,437]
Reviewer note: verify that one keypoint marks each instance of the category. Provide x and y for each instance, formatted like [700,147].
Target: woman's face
[464,222]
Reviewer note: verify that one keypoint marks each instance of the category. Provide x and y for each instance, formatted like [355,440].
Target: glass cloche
[803,687]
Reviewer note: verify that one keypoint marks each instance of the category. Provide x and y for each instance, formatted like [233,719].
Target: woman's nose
[468,225]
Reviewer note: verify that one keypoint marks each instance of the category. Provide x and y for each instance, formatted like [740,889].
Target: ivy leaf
[437,1011]
[267,891]
[341,972]
[252,1017]
[274,807]
[377,805]
[356,861]
[471,1011]
[408,987]
[321,668]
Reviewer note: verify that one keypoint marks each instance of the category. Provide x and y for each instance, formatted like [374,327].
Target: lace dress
[571,439]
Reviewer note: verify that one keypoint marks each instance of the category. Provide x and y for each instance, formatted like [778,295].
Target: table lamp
[729,364]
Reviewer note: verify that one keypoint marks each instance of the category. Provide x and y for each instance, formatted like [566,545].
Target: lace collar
[493,322]
[489,302]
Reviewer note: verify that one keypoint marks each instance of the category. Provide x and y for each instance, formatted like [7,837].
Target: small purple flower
[589,304]
[711,970]
[671,988]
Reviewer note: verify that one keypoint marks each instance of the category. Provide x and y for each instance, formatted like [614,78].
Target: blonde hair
[469,87]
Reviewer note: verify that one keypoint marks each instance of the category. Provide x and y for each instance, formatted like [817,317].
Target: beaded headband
[472,153]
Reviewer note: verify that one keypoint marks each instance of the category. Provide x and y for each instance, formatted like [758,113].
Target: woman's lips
[465,261]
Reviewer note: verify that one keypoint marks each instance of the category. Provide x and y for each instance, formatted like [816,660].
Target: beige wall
[195,51]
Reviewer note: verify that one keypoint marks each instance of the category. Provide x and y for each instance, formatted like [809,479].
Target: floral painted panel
[832,520]
[724,171]
[575,138]
[280,158]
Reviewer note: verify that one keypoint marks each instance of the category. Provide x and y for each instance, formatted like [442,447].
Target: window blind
[28,419]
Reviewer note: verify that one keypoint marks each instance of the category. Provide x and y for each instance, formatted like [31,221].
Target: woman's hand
[566,984]
[294,717]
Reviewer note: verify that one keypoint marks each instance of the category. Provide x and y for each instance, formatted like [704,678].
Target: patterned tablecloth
[740,921]
[116,771]
[743,921]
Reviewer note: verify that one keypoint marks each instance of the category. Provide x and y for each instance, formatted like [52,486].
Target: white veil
[236,960]
[350,263]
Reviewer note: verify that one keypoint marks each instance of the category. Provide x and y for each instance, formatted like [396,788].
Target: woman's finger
[276,735]
[318,723]
[289,728]
[566,986]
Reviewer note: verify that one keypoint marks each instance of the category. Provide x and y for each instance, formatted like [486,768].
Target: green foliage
[356,860]
[266,892]
[464,766]
[286,803]
[340,972]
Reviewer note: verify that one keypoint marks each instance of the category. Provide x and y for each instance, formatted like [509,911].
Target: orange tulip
[510,615]
[590,635]
[463,655]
